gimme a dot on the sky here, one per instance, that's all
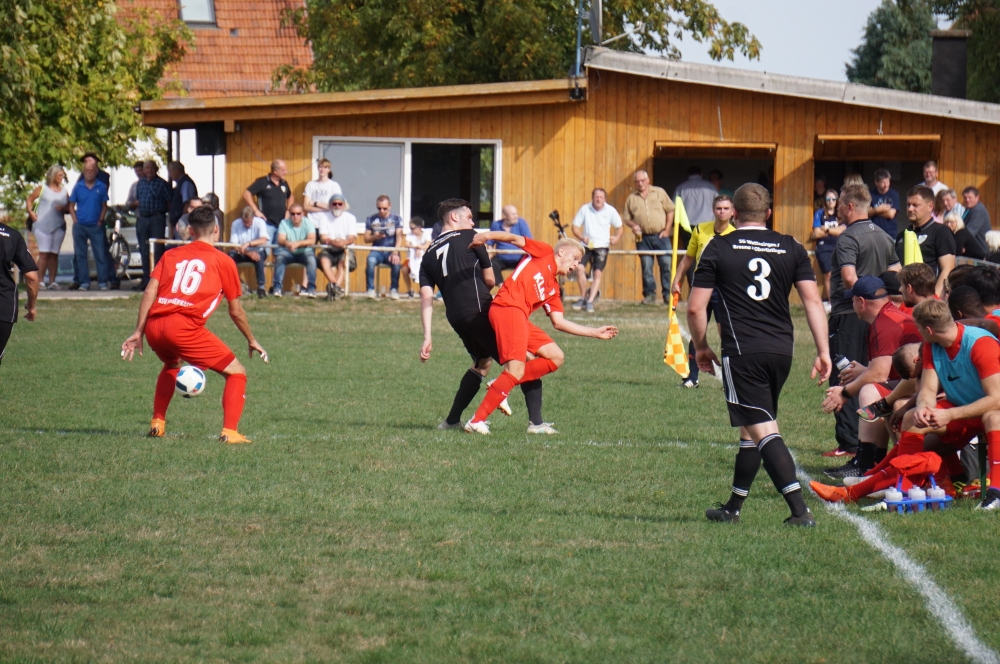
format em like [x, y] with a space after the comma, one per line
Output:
[809, 38]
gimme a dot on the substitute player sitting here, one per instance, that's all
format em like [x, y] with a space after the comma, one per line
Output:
[531, 286]
[965, 363]
[184, 289]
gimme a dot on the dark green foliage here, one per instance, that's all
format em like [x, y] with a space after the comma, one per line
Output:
[370, 44]
[895, 51]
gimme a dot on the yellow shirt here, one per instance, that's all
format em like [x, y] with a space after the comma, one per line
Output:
[649, 213]
[702, 234]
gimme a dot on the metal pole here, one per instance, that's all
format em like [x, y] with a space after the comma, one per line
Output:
[152, 254]
[579, 38]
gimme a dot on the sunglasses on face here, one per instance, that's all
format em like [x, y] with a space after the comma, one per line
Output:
[337, 204]
[831, 200]
[296, 214]
[382, 208]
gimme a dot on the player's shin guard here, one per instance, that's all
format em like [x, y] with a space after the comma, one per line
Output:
[536, 368]
[993, 459]
[233, 398]
[532, 391]
[467, 390]
[497, 392]
[165, 386]
[780, 468]
[747, 465]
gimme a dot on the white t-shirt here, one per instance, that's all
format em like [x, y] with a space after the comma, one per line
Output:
[320, 193]
[240, 234]
[337, 228]
[597, 224]
[937, 188]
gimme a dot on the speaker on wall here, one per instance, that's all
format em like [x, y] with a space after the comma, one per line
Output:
[210, 138]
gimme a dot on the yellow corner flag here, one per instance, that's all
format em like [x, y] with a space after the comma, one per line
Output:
[675, 351]
[911, 249]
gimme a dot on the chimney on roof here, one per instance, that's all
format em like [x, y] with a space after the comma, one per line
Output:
[949, 62]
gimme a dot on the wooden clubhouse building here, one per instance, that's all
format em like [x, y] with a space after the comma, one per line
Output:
[544, 145]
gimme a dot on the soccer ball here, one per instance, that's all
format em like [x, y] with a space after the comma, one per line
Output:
[190, 381]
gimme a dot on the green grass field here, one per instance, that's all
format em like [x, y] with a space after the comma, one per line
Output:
[353, 530]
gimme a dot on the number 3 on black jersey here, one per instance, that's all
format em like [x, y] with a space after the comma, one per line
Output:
[762, 288]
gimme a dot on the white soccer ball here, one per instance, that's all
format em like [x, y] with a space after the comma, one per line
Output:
[190, 381]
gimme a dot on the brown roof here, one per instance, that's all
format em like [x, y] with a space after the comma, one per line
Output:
[238, 55]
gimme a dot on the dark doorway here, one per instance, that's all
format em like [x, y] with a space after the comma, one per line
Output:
[451, 170]
[905, 174]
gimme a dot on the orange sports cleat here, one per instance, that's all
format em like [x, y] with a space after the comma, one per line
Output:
[831, 494]
[157, 428]
[231, 437]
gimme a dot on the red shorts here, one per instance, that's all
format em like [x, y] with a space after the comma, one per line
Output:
[958, 433]
[516, 335]
[886, 388]
[176, 337]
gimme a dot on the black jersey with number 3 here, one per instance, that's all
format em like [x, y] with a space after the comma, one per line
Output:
[753, 270]
[457, 272]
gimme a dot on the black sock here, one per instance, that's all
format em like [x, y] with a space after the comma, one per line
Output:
[962, 477]
[747, 465]
[532, 391]
[866, 456]
[880, 453]
[781, 469]
[467, 390]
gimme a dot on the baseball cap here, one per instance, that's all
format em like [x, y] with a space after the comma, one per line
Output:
[870, 288]
[891, 281]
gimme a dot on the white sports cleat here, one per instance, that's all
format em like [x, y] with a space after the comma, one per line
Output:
[544, 427]
[504, 405]
[478, 427]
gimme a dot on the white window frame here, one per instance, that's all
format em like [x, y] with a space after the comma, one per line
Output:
[211, 8]
[407, 170]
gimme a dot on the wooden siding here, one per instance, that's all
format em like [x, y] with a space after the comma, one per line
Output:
[553, 155]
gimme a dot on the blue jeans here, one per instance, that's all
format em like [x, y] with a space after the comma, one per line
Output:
[655, 243]
[147, 228]
[258, 265]
[98, 243]
[283, 257]
[378, 258]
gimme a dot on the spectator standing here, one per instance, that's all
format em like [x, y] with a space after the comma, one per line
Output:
[296, 235]
[697, 194]
[271, 197]
[89, 158]
[937, 244]
[336, 232]
[132, 197]
[49, 222]
[931, 178]
[966, 244]
[316, 198]
[715, 177]
[863, 250]
[649, 212]
[416, 245]
[592, 226]
[14, 251]
[87, 205]
[826, 229]
[977, 217]
[153, 200]
[383, 229]
[938, 212]
[819, 192]
[212, 200]
[509, 222]
[951, 203]
[184, 190]
[183, 228]
[885, 203]
[250, 233]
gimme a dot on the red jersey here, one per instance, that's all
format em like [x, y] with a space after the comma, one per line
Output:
[533, 283]
[193, 278]
[890, 330]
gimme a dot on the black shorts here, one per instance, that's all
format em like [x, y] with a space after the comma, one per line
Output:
[335, 254]
[5, 330]
[752, 384]
[597, 258]
[477, 336]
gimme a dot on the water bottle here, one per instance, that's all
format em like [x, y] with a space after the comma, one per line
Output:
[893, 495]
[841, 362]
[936, 494]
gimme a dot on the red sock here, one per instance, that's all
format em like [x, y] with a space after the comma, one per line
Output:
[876, 482]
[233, 397]
[537, 368]
[993, 458]
[497, 392]
[909, 443]
[165, 386]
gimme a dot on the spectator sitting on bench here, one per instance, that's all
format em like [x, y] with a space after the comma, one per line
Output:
[250, 232]
[183, 230]
[336, 231]
[295, 235]
[416, 246]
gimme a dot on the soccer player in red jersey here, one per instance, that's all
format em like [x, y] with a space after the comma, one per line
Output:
[531, 286]
[184, 289]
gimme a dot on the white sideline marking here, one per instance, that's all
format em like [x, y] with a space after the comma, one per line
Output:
[938, 603]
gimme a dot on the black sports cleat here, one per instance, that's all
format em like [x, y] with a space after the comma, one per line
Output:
[721, 514]
[805, 521]
[875, 411]
[849, 469]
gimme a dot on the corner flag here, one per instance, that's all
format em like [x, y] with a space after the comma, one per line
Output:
[911, 249]
[675, 351]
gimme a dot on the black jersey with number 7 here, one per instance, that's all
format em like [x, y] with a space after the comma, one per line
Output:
[457, 272]
[753, 270]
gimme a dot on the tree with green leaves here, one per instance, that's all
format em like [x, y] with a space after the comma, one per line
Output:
[982, 17]
[895, 51]
[72, 74]
[370, 44]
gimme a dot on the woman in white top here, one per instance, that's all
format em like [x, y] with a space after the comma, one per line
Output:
[49, 222]
[316, 197]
